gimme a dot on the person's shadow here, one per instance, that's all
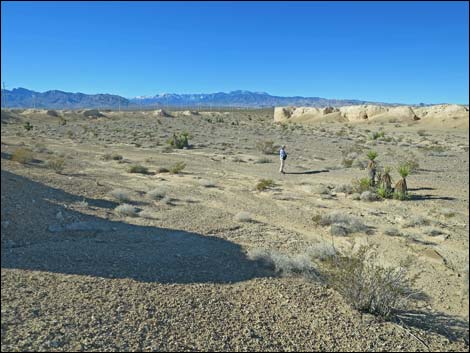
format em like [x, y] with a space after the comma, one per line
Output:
[35, 238]
[309, 172]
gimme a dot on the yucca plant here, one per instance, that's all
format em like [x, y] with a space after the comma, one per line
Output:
[401, 188]
[372, 155]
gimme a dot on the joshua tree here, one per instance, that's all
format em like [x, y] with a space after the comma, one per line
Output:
[386, 179]
[385, 183]
[401, 189]
[372, 166]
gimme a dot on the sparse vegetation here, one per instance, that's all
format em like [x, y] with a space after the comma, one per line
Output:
[370, 287]
[264, 184]
[126, 210]
[179, 141]
[138, 169]
[243, 217]
[56, 164]
[361, 185]
[177, 168]
[284, 265]
[121, 195]
[22, 155]
[27, 126]
[112, 156]
[157, 194]
[343, 223]
[263, 160]
[266, 147]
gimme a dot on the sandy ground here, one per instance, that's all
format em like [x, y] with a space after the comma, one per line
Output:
[177, 276]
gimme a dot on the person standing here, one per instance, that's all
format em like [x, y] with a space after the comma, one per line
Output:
[283, 157]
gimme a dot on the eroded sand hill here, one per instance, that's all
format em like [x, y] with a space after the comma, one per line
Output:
[447, 115]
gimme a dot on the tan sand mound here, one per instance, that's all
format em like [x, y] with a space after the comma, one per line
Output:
[445, 115]
[162, 113]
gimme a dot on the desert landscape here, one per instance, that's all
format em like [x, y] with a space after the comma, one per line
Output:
[173, 230]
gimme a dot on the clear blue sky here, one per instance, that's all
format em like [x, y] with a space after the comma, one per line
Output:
[407, 52]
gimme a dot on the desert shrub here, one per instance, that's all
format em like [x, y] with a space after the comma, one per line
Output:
[416, 221]
[321, 189]
[349, 159]
[167, 149]
[317, 219]
[393, 232]
[179, 141]
[361, 185]
[56, 164]
[421, 132]
[376, 135]
[321, 251]
[264, 184]
[70, 134]
[347, 189]
[93, 113]
[207, 183]
[52, 113]
[177, 167]
[22, 155]
[243, 217]
[263, 160]
[162, 170]
[112, 156]
[63, 122]
[157, 194]
[126, 210]
[411, 163]
[368, 286]
[121, 195]
[27, 126]
[343, 222]
[138, 169]
[284, 265]
[40, 148]
[369, 196]
[433, 232]
[384, 192]
[266, 147]
[447, 212]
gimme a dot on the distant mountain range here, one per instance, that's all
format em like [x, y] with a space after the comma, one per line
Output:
[24, 98]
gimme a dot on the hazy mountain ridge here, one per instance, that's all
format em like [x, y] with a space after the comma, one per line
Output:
[55, 99]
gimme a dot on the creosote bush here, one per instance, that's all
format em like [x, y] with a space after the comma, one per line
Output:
[368, 286]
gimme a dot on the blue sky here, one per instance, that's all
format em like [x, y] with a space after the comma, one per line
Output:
[407, 52]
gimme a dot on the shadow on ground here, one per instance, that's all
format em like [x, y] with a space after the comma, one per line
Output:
[452, 327]
[83, 244]
[309, 172]
[415, 197]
